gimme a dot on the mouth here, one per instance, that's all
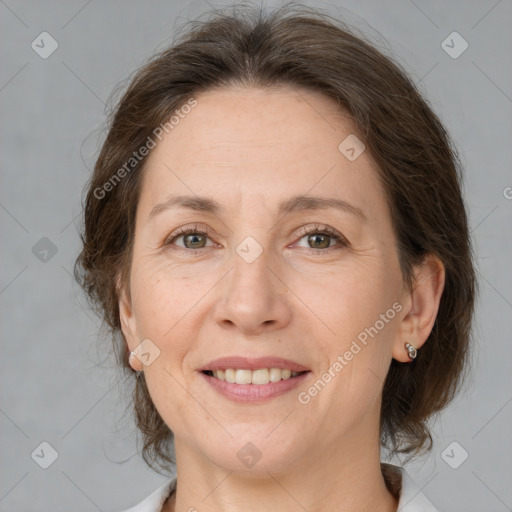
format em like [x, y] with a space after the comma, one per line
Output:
[258, 377]
[253, 386]
[244, 379]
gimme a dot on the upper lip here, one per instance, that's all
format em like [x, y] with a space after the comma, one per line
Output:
[240, 362]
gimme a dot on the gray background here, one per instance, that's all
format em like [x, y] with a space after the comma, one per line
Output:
[57, 383]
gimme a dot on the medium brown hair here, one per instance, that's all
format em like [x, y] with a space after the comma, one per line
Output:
[417, 164]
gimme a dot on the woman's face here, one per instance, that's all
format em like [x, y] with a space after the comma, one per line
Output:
[259, 285]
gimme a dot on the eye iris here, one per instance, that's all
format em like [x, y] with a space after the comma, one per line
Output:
[325, 237]
[195, 236]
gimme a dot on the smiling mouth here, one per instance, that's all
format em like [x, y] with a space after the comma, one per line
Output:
[253, 377]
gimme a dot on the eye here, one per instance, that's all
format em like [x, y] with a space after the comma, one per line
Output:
[324, 235]
[194, 238]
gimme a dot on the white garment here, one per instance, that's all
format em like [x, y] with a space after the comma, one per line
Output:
[411, 498]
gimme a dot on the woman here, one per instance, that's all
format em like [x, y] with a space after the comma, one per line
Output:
[275, 234]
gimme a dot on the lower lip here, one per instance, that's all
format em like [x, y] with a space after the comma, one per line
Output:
[254, 392]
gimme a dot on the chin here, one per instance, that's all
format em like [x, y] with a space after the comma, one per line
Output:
[255, 458]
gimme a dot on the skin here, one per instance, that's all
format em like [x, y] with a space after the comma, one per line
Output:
[250, 149]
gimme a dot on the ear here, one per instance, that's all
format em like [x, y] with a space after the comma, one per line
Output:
[421, 305]
[128, 321]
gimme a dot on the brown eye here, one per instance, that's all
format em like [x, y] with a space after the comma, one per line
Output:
[320, 238]
[196, 240]
[320, 241]
[193, 239]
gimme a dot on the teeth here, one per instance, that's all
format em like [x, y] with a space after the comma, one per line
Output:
[261, 376]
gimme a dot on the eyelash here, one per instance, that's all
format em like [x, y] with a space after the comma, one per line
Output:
[314, 229]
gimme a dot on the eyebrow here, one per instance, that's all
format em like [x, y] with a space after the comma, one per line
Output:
[298, 203]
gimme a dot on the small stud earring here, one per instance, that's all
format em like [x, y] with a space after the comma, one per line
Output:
[137, 372]
[411, 351]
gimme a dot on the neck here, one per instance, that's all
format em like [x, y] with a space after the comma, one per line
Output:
[343, 479]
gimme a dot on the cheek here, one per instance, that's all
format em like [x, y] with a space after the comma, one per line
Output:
[162, 297]
[347, 299]
[356, 350]
[161, 304]
[355, 326]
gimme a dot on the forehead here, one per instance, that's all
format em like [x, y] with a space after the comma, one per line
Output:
[232, 122]
[254, 145]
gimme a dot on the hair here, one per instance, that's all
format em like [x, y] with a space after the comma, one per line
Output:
[417, 165]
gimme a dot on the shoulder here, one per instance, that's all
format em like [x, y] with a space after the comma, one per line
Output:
[411, 499]
[154, 502]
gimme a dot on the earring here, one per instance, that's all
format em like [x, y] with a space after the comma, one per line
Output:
[411, 351]
[132, 354]
[137, 372]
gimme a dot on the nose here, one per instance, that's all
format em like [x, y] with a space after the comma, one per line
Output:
[254, 297]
